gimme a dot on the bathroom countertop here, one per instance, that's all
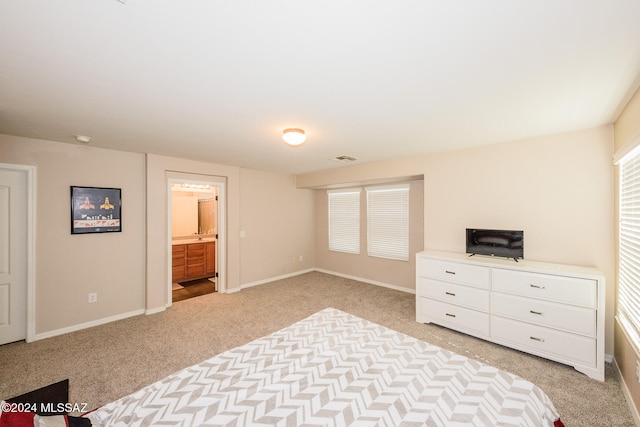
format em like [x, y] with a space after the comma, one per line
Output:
[192, 240]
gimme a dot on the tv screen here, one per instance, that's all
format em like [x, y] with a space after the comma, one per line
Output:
[502, 243]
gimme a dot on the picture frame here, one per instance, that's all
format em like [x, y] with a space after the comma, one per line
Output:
[96, 210]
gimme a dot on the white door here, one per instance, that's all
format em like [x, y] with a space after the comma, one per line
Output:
[13, 255]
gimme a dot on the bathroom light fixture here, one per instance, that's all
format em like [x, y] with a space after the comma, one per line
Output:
[293, 136]
[196, 186]
[82, 138]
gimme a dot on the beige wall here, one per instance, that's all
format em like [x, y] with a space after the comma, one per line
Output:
[159, 170]
[277, 217]
[277, 221]
[394, 170]
[184, 214]
[558, 189]
[68, 267]
[401, 274]
[628, 124]
[626, 128]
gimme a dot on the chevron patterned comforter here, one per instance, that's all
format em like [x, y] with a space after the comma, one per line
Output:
[335, 369]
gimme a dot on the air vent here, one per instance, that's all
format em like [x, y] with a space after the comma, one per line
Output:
[344, 159]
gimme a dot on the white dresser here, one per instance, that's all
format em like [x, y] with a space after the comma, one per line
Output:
[551, 310]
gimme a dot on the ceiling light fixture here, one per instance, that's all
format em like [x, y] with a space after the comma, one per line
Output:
[293, 136]
[82, 138]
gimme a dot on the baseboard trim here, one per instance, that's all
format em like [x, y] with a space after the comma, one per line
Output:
[333, 273]
[86, 325]
[110, 319]
[627, 394]
[156, 310]
[272, 279]
[369, 281]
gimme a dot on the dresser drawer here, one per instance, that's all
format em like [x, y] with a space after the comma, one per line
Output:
[563, 289]
[456, 317]
[569, 318]
[472, 275]
[465, 296]
[545, 341]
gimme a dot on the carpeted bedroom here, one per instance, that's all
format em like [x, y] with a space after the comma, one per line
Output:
[108, 362]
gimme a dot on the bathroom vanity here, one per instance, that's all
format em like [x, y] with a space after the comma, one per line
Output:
[193, 259]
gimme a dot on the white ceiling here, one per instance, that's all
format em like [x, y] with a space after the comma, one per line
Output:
[218, 80]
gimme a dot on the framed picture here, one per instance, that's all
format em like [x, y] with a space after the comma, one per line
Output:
[95, 210]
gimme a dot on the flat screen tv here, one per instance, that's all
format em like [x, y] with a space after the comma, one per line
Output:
[500, 243]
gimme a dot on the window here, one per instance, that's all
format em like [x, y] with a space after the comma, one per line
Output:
[388, 222]
[344, 221]
[628, 314]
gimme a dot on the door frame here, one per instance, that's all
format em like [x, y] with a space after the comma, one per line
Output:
[221, 227]
[31, 244]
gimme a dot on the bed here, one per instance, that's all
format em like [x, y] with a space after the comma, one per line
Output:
[335, 369]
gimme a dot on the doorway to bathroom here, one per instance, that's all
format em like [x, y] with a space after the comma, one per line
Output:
[196, 235]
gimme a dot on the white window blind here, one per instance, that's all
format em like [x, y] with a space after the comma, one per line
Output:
[344, 221]
[629, 248]
[388, 222]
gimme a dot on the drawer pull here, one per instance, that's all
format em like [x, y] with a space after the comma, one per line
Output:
[450, 315]
[537, 339]
[537, 286]
[450, 272]
[450, 293]
[539, 313]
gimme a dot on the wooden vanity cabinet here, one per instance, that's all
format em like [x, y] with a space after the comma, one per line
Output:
[195, 260]
[210, 258]
[192, 261]
[179, 263]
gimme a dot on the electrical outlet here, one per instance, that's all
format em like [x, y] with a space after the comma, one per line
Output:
[301, 258]
[93, 297]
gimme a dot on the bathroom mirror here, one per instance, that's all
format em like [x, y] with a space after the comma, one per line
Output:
[206, 216]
